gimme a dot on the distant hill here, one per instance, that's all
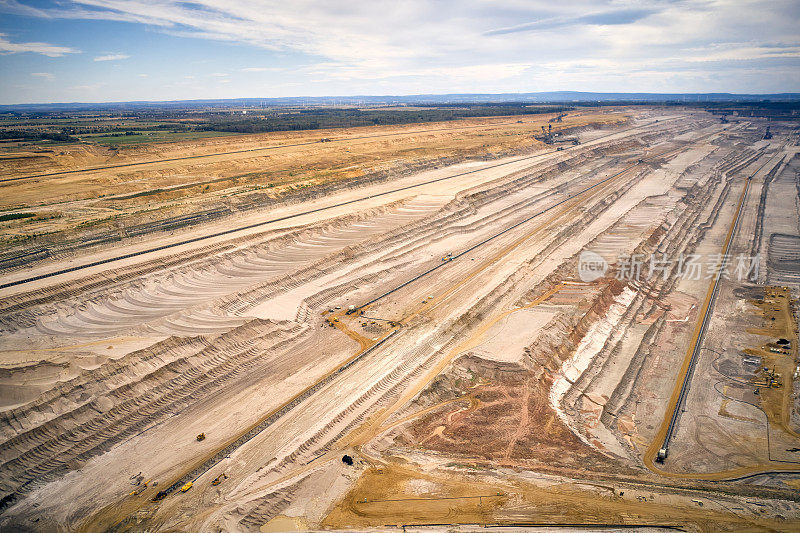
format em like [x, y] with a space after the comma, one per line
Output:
[554, 97]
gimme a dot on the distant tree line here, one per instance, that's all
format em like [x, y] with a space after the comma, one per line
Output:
[313, 119]
[64, 127]
[31, 136]
[83, 130]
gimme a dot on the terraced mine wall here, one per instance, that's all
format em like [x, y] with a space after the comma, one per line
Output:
[62, 248]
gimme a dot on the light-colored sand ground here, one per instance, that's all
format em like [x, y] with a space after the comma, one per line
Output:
[479, 380]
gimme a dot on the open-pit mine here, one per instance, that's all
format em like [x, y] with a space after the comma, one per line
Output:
[582, 319]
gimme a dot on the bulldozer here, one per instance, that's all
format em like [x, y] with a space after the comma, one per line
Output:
[201, 437]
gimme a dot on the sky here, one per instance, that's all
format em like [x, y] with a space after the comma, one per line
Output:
[125, 50]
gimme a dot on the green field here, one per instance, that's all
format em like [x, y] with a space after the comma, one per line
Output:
[120, 139]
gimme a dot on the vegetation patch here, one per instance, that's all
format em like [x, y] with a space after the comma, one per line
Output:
[15, 216]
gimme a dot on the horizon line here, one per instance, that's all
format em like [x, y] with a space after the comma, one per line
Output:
[619, 95]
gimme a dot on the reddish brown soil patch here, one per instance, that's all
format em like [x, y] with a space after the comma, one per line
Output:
[512, 424]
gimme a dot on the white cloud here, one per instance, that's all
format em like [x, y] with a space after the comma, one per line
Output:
[219, 74]
[480, 45]
[111, 57]
[49, 50]
[45, 75]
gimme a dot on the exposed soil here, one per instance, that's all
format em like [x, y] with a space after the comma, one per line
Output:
[477, 379]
